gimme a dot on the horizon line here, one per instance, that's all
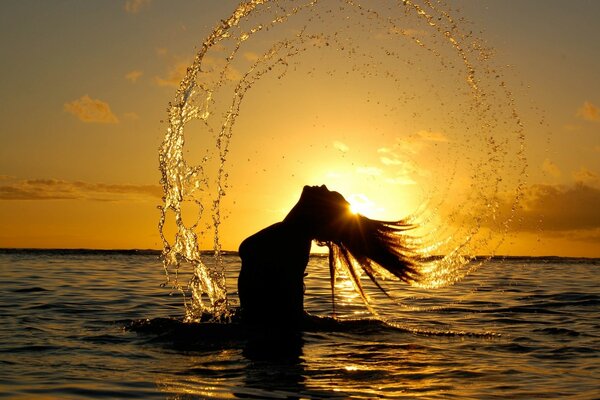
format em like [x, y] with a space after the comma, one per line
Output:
[233, 252]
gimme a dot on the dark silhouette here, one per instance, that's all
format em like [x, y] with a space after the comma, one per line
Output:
[274, 260]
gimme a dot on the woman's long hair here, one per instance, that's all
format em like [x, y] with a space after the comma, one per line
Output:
[382, 249]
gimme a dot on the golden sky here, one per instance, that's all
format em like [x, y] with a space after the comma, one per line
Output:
[86, 85]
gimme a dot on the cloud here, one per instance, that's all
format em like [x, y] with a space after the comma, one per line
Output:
[212, 66]
[174, 76]
[135, 6]
[53, 189]
[210, 73]
[397, 159]
[431, 136]
[361, 204]
[405, 171]
[91, 110]
[586, 177]
[390, 161]
[371, 171]
[134, 75]
[589, 112]
[555, 209]
[562, 208]
[414, 143]
[550, 168]
[400, 180]
[340, 146]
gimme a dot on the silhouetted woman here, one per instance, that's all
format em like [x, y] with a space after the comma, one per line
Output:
[271, 280]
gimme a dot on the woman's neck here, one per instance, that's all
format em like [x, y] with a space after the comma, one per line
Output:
[300, 221]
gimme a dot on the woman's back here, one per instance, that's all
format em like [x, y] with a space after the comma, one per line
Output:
[271, 281]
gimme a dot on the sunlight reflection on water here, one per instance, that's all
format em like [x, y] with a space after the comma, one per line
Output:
[63, 317]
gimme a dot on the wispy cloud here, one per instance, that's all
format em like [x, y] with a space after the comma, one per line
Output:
[135, 6]
[54, 189]
[214, 68]
[589, 112]
[91, 110]
[586, 177]
[404, 170]
[400, 180]
[360, 203]
[398, 159]
[340, 146]
[413, 144]
[551, 169]
[390, 161]
[134, 75]
[174, 75]
[371, 171]
[430, 136]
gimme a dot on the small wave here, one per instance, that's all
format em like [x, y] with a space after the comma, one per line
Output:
[203, 334]
[30, 349]
[443, 332]
[558, 331]
[565, 352]
[519, 348]
[103, 339]
[526, 309]
[376, 325]
[34, 289]
[551, 303]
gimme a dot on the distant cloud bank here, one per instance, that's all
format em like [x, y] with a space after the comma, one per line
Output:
[569, 211]
[54, 189]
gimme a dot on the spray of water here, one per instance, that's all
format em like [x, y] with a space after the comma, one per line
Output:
[433, 62]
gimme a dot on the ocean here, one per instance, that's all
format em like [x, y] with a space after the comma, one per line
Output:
[514, 328]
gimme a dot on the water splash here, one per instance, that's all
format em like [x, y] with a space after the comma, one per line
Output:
[470, 177]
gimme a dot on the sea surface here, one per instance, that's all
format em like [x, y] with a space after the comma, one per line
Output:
[514, 328]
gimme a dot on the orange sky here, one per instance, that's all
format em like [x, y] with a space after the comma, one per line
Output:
[86, 85]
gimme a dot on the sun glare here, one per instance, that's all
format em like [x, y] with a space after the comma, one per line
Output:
[360, 204]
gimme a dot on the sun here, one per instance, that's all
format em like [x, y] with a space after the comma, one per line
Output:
[360, 204]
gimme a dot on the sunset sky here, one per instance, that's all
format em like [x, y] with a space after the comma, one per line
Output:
[86, 84]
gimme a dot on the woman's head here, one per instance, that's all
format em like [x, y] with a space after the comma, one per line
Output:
[321, 212]
[326, 216]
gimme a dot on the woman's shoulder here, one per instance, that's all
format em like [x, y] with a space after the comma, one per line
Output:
[267, 234]
[278, 235]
